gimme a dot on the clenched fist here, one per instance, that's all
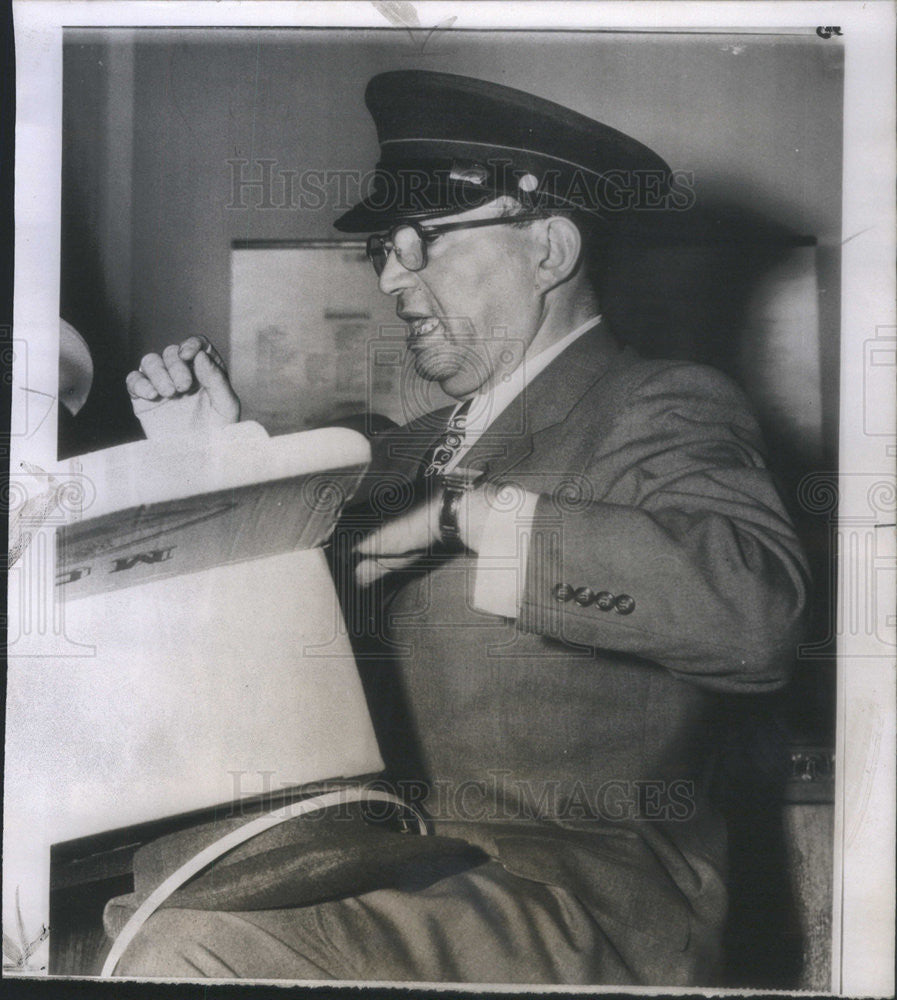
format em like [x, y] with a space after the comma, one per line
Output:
[185, 390]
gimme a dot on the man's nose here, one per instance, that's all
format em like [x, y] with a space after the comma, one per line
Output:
[394, 277]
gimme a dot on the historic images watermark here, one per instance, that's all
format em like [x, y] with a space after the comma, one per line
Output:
[265, 184]
[40, 503]
[497, 797]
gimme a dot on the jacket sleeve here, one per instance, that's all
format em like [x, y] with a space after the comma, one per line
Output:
[682, 552]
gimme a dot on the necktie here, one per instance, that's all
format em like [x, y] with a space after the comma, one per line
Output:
[450, 441]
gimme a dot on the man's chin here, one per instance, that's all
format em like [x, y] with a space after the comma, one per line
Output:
[436, 365]
[456, 375]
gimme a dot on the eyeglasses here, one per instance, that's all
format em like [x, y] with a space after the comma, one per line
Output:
[409, 240]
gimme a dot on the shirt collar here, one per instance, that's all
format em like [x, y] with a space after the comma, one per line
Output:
[486, 406]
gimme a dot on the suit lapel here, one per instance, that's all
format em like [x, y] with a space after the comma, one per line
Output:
[404, 448]
[546, 401]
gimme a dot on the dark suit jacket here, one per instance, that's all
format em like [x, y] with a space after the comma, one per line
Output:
[575, 743]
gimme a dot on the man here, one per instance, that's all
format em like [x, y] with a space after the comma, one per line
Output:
[587, 558]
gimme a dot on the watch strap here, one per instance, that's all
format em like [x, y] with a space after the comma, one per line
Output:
[455, 485]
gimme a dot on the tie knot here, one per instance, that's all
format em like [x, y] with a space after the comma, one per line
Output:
[458, 419]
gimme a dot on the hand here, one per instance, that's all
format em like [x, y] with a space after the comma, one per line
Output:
[399, 543]
[185, 390]
[406, 538]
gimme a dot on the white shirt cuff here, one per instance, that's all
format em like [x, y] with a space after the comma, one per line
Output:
[500, 573]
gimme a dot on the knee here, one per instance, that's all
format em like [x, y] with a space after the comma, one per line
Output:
[174, 943]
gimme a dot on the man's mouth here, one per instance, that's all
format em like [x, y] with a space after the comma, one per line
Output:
[420, 328]
[436, 355]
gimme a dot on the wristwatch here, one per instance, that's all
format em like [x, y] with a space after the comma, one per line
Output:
[454, 486]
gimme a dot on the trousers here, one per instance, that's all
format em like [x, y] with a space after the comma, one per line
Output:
[485, 925]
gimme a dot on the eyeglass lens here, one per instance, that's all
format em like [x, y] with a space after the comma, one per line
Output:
[410, 243]
[408, 247]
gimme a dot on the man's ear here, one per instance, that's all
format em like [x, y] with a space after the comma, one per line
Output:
[561, 247]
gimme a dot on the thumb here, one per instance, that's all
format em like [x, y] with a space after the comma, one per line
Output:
[221, 393]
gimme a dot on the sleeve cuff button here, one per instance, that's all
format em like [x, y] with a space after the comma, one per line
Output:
[624, 604]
